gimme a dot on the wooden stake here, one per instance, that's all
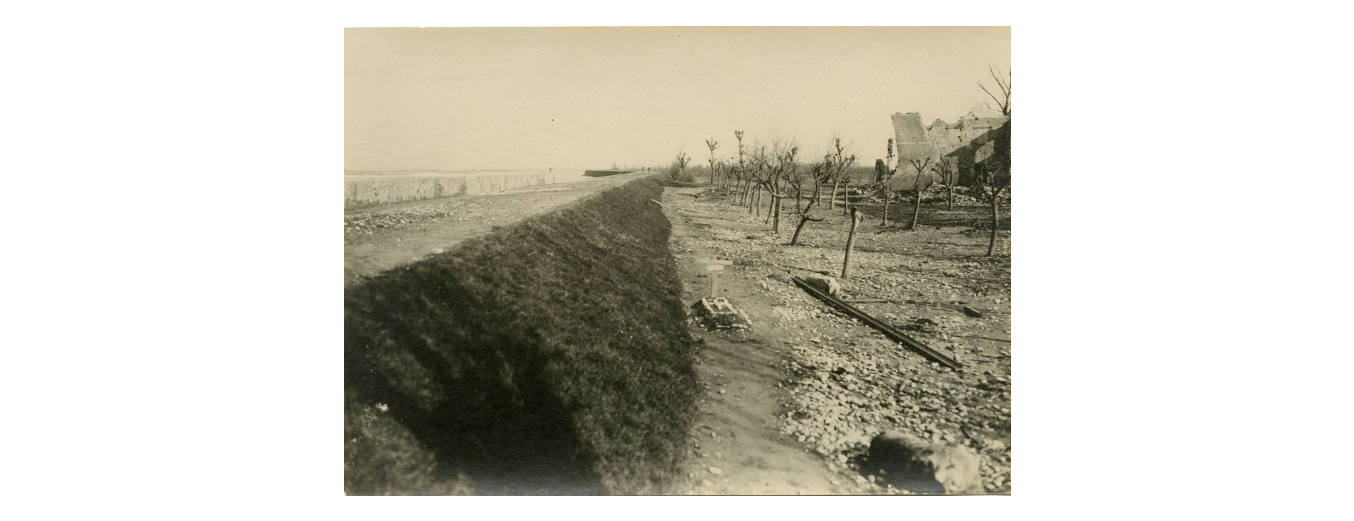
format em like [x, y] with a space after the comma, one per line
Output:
[850, 242]
[713, 267]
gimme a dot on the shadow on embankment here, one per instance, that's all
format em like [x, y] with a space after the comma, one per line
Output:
[551, 357]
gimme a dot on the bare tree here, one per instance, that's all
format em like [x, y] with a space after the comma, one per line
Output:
[784, 169]
[745, 183]
[921, 166]
[1003, 85]
[774, 171]
[946, 166]
[992, 182]
[888, 193]
[817, 175]
[713, 145]
[992, 173]
[757, 170]
[726, 173]
[839, 165]
[742, 170]
[827, 159]
[682, 161]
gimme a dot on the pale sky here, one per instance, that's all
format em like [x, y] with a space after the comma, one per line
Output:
[572, 98]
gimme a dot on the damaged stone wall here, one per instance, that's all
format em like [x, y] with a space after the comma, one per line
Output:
[912, 143]
[970, 139]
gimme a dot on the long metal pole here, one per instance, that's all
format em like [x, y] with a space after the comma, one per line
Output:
[888, 330]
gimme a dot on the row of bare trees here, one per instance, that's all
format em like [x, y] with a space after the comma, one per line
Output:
[765, 175]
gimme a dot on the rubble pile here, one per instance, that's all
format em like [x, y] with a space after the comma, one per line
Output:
[846, 383]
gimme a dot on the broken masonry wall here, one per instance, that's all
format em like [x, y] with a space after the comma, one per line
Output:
[970, 140]
[907, 129]
[911, 143]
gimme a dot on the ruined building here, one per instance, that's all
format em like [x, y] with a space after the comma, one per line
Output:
[912, 144]
[976, 137]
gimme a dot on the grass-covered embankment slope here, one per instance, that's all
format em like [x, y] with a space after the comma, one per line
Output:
[550, 357]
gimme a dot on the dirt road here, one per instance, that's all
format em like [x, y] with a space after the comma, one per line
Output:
[737, 446]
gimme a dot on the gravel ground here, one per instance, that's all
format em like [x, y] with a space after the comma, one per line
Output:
[844, 382]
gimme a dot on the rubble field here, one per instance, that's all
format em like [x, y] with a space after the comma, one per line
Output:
[838, 382]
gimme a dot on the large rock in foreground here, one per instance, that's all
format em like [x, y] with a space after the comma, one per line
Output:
[924, 467]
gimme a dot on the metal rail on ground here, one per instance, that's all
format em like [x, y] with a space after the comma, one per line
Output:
[889, 331]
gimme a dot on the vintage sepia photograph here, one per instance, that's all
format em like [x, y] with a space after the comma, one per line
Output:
[677, 261]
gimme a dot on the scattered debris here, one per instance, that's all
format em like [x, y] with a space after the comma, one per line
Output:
[853, 383]
[719, 313]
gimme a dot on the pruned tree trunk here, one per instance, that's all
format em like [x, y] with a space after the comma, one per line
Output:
[916, 209]
[775, 225]
[992, 242]
[803, 219]
[832, 200]
[846, 194]
[712, 145]
[794, 240]
[850, 243]
[886, 208]
[949, 199]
